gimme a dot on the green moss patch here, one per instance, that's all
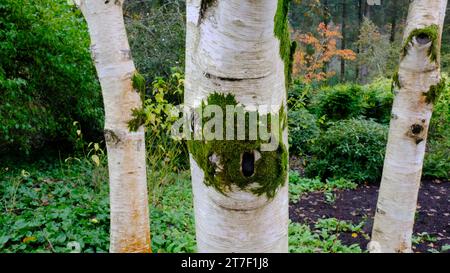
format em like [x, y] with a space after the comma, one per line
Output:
[435, 91]
[281, 30]
[221, 160]
[395, 81]
[432, 32]
[138, 82]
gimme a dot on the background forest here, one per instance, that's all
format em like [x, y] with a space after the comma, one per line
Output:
[53, 166]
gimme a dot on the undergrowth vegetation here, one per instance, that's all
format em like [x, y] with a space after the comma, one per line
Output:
[64, 207]
[47, 79]
[341, 131]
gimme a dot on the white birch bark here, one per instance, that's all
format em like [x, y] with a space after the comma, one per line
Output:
[130, 230]
[234, 39]
[411, 114]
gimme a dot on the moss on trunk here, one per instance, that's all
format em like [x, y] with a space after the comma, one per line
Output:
[429, 32]
[435, 91]
[222, 160]
[281, 30]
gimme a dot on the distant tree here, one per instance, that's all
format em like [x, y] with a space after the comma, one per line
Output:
[316, 52]
[374, 51]
[344, 38]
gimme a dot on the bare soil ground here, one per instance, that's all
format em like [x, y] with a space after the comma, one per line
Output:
[432, 226]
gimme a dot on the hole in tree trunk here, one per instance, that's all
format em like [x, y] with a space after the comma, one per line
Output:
[248, 164]
[416, 129]
[423, 39]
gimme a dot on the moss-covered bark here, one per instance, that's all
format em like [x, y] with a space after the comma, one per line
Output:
[429, 32]
[395, 81]
[281, 30]
[221, 160]
[435, 91]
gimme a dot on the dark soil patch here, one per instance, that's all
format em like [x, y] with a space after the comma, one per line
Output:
[432, 226]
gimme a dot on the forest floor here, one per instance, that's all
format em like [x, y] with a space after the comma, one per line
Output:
[54, 206]
[432, 225]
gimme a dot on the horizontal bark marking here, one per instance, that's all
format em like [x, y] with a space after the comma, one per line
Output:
[229, 79]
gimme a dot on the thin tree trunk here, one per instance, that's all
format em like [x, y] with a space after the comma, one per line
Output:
[419, 81]
[364, 69]
[327, 14]
[393, 25]
[231, 48]
[360, 20]
[130, 230]
[367, 10]
[343, 43]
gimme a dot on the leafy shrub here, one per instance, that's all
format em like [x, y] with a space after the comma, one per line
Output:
[338, 102]
[303, 130]
[437, 158]
[47, 79]
[164, 153]
[377, 100]
[352, 149]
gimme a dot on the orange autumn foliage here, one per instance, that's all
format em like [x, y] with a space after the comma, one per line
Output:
[316, 52]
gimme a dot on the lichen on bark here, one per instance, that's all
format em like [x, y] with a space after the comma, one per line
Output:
[221, 160]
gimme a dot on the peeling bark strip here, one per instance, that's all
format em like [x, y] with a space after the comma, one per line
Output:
[417, 85]
[209, 76]
[234, 51]
[130, 230]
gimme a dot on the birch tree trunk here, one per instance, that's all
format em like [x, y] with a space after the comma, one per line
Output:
[416, 88]
[232, 48]
[130, 230]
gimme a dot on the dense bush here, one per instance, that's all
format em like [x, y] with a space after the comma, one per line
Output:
[370, 102]
[338, 102]
[437, 158]
[377, 100]
[47, 79]
[344, 101]
[351, 149]
[303, 130]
